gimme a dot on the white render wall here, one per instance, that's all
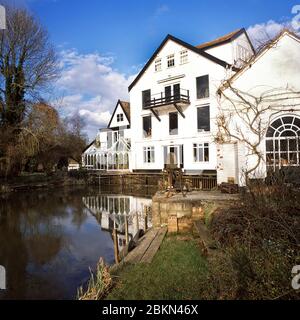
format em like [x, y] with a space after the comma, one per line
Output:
[188, 134]
[229, 51]
[114, 123]
[277, 68]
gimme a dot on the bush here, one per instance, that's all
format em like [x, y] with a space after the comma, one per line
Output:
[260, 241]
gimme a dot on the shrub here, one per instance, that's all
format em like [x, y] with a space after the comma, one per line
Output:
[260, 241]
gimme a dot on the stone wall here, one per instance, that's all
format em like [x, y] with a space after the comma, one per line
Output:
[179, 216]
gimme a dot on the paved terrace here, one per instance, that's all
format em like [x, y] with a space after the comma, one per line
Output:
[195, 196]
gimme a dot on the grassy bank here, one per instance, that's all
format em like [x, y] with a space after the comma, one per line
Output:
[178, 271]
[258, 241]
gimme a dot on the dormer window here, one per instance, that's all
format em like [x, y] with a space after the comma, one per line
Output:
[171, 60]
[158, 65]
[120, 117]
[183, 56]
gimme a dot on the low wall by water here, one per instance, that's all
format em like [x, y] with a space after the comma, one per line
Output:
[179, 213]
[135, 183]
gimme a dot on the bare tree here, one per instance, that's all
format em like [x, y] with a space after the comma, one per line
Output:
[27, 64]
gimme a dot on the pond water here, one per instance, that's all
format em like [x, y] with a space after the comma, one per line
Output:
[50, 239]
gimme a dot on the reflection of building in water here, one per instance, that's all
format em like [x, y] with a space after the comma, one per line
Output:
[111, 211]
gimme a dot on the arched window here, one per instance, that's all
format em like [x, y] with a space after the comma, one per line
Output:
[283, 142]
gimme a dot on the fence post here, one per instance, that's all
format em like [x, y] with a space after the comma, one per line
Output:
[126, 230]
[137, 221]
[116, 247]
[145, 219]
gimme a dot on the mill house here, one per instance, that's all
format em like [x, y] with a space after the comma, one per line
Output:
[177, 97]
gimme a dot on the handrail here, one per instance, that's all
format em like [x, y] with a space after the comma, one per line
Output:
[159, 99]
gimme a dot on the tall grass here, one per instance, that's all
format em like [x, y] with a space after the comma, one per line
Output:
[99, 283]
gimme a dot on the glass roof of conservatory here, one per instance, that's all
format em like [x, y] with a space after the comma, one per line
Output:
[120, 146]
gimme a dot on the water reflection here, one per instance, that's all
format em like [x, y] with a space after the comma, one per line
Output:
[117, 212]
[49, 239]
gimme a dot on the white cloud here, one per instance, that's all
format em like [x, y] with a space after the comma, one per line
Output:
[90, 87]
[261, 32]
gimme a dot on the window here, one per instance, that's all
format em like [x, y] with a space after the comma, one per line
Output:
[109, 139]
[203, 118]
[202, 84]
[173, 123]
[146, 97]
[147, 127]
[148, 154]
[283, 143]
[171, 60]
[120, 117]
[158, 65]
[183, 56]
[201, 152]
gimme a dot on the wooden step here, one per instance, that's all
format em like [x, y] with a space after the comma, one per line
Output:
[136, 254]
[154, 246]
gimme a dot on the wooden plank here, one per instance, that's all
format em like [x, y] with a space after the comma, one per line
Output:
[154, 246]
[136, 254]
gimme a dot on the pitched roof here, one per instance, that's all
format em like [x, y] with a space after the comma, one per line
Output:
[90, 144]
[221, 40]
[259, 54]
[126, 108]
[186, 45]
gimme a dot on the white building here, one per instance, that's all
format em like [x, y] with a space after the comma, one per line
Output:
[266, 94]
[177, 99]
[110, 151]
[174, 102]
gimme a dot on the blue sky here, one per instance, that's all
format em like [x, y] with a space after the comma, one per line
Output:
[103, 44]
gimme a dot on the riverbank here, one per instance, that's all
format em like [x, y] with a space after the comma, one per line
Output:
[243, 250]
[178, 271]
[40, 181]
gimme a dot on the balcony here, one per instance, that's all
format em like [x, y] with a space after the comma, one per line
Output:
[178, 99]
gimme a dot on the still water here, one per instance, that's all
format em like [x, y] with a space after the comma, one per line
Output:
[50, 239]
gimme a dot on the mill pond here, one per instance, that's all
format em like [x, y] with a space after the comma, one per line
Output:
[49, 239]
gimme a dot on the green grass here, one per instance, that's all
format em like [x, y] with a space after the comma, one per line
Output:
[176, 272]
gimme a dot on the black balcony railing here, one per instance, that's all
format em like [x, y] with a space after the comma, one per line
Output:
[161, 99]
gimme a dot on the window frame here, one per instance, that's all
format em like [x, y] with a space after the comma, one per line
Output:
[198, 109]
[171, 57]
[157, 65]
[120, 117]
[184, 55]
[149, 154]
[147, 135]
[170, 130]
[207, 95]
[199, 151]
[144, 92]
